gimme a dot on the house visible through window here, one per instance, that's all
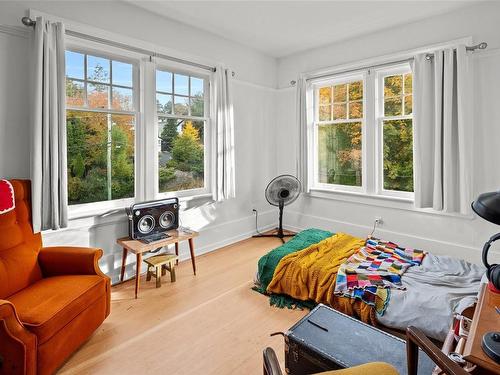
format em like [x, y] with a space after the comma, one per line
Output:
[182, 117]
[101, 117]
[367, 115]
[106, 111]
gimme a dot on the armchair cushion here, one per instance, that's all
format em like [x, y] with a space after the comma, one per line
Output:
[69, 260]
[48, 305]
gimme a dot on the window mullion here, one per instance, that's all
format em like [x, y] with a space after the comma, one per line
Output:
[150, 133]
[370, 134]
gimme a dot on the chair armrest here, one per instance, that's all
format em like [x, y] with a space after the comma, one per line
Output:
[271, 364]
[66, 260]
[17, 345]
[417, 339]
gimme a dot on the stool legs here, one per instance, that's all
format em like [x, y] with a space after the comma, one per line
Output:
[172, 272]
[158, 276]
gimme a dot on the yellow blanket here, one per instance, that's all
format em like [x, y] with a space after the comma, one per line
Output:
[310, 274]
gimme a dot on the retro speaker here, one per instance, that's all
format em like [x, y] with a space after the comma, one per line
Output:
[149, 221]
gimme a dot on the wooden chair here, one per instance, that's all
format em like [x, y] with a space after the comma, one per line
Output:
[415, 339]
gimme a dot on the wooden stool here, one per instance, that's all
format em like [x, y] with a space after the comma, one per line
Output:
[158, 266]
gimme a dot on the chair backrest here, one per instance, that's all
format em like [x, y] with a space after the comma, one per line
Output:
[19, 246]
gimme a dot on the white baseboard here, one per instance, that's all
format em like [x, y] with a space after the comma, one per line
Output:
[434, 246]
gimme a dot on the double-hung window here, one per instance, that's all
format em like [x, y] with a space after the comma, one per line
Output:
[101, 102]
[361, 132]
[338, 128]
[183, 113]
[395, 126]
[134, 132]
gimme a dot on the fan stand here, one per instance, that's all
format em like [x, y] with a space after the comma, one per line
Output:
[279, 234]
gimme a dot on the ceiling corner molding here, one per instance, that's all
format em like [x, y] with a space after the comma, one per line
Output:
[21, 31]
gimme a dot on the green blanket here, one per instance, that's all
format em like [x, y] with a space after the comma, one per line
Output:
[268, 263]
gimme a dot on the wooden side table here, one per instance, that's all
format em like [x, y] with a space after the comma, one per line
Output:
[138, 248]
[485, 319]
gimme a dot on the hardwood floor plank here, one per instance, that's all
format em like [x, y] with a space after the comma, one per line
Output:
[210, 323]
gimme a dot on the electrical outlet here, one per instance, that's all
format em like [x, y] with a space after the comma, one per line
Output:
[379, 220]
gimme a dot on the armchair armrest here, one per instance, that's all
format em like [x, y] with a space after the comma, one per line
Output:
[417, 339]
[17, 344]
[66, 260]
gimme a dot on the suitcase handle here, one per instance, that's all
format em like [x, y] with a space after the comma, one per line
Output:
[277, 333]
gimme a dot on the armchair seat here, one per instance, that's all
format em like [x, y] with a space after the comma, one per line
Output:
[48, 305]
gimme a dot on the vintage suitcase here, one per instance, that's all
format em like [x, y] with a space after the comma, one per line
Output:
[326, 339]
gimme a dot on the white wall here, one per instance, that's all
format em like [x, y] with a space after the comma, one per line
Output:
[461, 237]
[220, 223]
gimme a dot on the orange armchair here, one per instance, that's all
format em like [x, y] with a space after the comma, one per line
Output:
[51, 299]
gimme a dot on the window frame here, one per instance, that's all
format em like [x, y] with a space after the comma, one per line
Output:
[74, 45]
[380, 74]
[146, 127]
[314, 124]
[174, 68]
[372, 132]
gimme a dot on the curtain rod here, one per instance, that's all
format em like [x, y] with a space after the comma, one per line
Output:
[429, 56]
[30, 23]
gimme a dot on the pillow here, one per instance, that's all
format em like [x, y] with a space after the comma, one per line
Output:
[7, 201]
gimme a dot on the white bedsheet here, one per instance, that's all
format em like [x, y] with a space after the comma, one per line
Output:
[435, 291]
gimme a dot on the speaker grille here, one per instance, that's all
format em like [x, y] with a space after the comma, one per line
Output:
[146, 224]
[167, 219]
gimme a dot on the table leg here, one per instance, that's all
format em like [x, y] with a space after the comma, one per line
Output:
[177, 252]
[138, 273]
[124, 262]
[191, 250]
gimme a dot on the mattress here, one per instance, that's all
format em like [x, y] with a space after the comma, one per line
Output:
[441, 287]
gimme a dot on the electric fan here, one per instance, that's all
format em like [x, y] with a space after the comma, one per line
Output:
[280, 192]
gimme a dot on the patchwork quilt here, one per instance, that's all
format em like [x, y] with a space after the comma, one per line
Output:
[376, 267]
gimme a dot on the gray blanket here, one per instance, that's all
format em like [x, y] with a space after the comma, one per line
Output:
[435, 291]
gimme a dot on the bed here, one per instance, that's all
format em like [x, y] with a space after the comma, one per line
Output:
[431, 293]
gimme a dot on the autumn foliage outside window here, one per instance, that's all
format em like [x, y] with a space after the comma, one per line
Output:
[373, 106]
[340, 120]
[398, 132]
[100, 124]
[181, 110]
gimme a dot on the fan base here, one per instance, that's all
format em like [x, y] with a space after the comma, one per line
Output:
[276, 234]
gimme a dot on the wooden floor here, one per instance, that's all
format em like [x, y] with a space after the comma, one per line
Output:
[212, 323]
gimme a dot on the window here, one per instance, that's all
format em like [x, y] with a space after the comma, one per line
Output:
[101, 116]
[109, 94]
[182, 110]
[396, 123]
[338, 127]
[361, 132]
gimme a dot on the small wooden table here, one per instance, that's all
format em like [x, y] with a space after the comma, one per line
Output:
[138, 248]
[485, 319]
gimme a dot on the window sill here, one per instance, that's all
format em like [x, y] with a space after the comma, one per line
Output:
[386, 201]
[118, 208]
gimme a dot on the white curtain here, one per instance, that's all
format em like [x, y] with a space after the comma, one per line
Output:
[302, 168]
[443, 130]
[224, 184]
[48, 128]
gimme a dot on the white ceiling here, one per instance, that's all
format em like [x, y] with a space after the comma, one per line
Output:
[281, 28]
